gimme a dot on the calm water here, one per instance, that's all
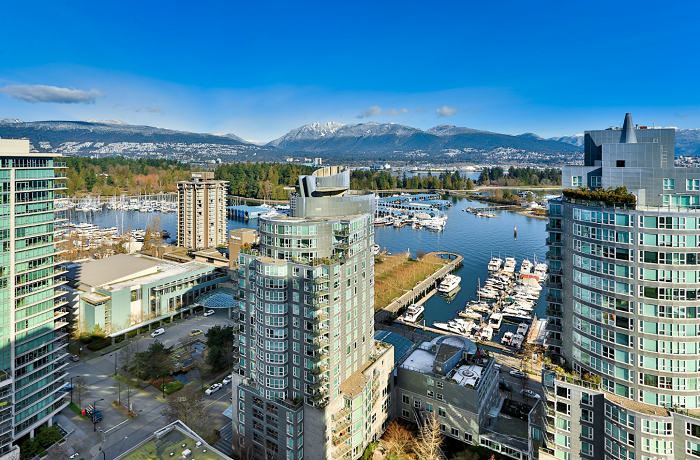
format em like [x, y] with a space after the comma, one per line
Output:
[476, 238]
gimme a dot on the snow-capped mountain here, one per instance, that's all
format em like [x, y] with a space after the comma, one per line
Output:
[107, 122]
[576, 139]
[9, 120]
[392, 140]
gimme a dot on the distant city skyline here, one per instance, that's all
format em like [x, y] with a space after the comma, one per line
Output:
[261, 70]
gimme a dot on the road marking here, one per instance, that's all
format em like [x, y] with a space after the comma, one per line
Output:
[216, 400]
[115, 426]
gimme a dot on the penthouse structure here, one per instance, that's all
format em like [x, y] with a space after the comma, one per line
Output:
[201, 212]
[32, 303]
[624, 286]
[317, 384]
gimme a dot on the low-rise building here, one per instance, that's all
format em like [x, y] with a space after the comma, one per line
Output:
[449, 378]
[124, 291]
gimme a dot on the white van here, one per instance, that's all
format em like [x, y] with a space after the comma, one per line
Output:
[158, 332]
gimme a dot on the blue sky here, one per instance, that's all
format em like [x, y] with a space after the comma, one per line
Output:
[260, 69]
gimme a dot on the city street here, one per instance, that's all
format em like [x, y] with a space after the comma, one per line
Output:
[122, 433]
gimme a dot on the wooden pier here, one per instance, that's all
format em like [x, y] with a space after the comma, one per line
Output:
[423, 289]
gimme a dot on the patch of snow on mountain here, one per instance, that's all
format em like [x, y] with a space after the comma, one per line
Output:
[10, 121]
[107, 122]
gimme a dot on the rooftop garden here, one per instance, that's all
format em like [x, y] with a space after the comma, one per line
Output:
[609, 195]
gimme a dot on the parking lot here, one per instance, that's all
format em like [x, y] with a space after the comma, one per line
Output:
[121, 433]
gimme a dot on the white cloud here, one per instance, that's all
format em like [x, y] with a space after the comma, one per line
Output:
[446, 111]
[371, 111]
[420, 110]
[392, 113]
[42, 93]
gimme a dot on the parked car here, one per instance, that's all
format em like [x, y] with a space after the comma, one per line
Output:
[213, 389]
[209, 312]
[505, 386]
[520, 374]
[157, 332]
[498, 367]
[68, 387]
[227, 380]
[195, 332]
[529, 393]
[74, 358]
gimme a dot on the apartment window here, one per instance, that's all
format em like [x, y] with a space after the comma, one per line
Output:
[443, 427]
[669, 184]
[586, 448]
[467, 437]
[577, 181]
[563, 408]
[587, 415]
[620, 163]
[455, 432]
[428, 407]
[430, 393]
[405, 399]
[586, 399]
[692, 184]
[439, 397]
[438, 384]
[404, 413]
[596, 181]
[586, 431]
[416, 403]
[441, 412]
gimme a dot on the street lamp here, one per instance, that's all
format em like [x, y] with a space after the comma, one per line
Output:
[94, 409]
[71, 388]
[102, 447]
[115, 365]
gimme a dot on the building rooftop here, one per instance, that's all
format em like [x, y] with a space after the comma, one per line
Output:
[112, 269]
[125, 270]
[169, 443]
[401, 344]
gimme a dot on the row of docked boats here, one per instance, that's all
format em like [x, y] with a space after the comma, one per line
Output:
[507, 296]
[414, 313]
[416, 221]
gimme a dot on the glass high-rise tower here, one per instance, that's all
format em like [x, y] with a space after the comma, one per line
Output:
[316, 383]
[33, 320]
[624, 303]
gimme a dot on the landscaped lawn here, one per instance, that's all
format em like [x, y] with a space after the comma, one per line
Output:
[397, 274]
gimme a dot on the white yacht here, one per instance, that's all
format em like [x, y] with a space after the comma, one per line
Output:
[526, 267]
[375, 249]
[449, 283]
[496, 320]
[509, 266]
[413, 313]
[495, 264]
[507, 337]
[469, 313]
[523, 328]
[486, 333]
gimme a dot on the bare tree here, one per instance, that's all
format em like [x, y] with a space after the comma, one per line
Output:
[244, 448]
[397, 439]
[118, 389]
[128, 392]
[430, 439]
[189, 406]
[205, 370]
[81, 389]
[127, 354]
[57, 452]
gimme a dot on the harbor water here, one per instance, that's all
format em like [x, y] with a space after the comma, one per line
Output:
[476, 238]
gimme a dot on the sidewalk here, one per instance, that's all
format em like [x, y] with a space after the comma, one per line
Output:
[83, 439]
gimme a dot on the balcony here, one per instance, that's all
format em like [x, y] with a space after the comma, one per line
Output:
[317, 344]
[555, 271]
[554, 342]
[59, 164]
[344, 435]
[318, 357]
[318, 331]
[320, 292]
[554, 284]
[319, 383]
[342, 424]
[344, 232]
[551, 242]
[554, 327]
[550, 228]
[321, 279]
[319, 370]
[551, 256]
[553, 299]
[341, 413]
